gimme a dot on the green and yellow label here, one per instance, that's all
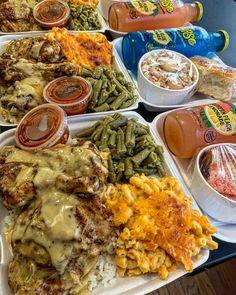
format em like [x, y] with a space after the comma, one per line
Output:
[167, 5]
[161, 37]
[189, 36]
[144, 7]
[220, 116]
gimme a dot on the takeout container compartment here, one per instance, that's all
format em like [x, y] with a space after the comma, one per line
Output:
[137, 285]
[28, 33]
[163, 96]
[212, 202]
[151, 107]
[116, 64]
[226, 232]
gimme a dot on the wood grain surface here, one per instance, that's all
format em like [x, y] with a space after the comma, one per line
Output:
[218, 280]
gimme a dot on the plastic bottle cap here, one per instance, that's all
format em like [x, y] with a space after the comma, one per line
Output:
[226, 35]
[200, 9]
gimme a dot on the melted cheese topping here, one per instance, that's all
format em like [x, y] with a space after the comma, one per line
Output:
[51, 220]
[52, 227]
[77, 161]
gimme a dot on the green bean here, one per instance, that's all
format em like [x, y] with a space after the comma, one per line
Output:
[115, 92]
[130, 151]
[86, 73]
[161, 171]
[129, 134]
[128, 103]
[129, 171]
[96, 92]
[96, 135]
[112, 140]
[120, 167]
[143, 126]
[92, 81]
[116, 116]
[103, 97]
[87, 132]
[98, 72]
[111, 88]
[119, 87]
[141, 156]
[112, 174]
[104, 138]
[104, 83]
[140, 131]
[111, 99]
[152, 159]
[108, 120]
[119, 100]
[119, 122]
[102, 108]
[121, 148]
[159, 150]
[119, 176]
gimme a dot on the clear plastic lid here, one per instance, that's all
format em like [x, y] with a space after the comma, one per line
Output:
[218, 166]
[42, 127]
[52, 13]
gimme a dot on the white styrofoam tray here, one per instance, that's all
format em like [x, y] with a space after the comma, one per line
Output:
[225, 231]
[195, 99]
[122, 286]
[116, 64]
[101, 19]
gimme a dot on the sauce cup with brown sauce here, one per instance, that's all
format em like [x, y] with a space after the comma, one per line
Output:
[72, 94]
[52, 13]
[43, 127]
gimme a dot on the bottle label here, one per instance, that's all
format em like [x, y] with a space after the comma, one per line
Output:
[221, 117]
[167, 5]
[170, 39]
[161, 37]
[188, 35]
[149, 7]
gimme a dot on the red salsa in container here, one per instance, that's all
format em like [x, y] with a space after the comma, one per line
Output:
[52, 13]
[70, 93]
[42, 127]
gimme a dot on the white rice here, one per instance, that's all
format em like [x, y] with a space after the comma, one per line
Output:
[104, 272]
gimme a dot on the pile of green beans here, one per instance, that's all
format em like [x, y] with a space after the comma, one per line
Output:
[131, 147]
[83, 18]
[111, 91]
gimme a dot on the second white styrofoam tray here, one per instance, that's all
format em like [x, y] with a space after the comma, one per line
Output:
[137, 285]
[101, 20]
[195, 99]
[225, 231]
[116, 64]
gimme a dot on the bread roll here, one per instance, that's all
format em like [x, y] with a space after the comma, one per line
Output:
[215, 80]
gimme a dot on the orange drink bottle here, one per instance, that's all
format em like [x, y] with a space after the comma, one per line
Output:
[143, 15]
[187, 131]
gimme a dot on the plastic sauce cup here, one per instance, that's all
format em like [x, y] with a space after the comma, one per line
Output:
[52, 13]
[43, 127]
[72, 94]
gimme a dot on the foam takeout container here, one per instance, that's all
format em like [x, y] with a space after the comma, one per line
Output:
[225, 231]
[137, 285]
[194, 100]
[116, 64]
[27, 33]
